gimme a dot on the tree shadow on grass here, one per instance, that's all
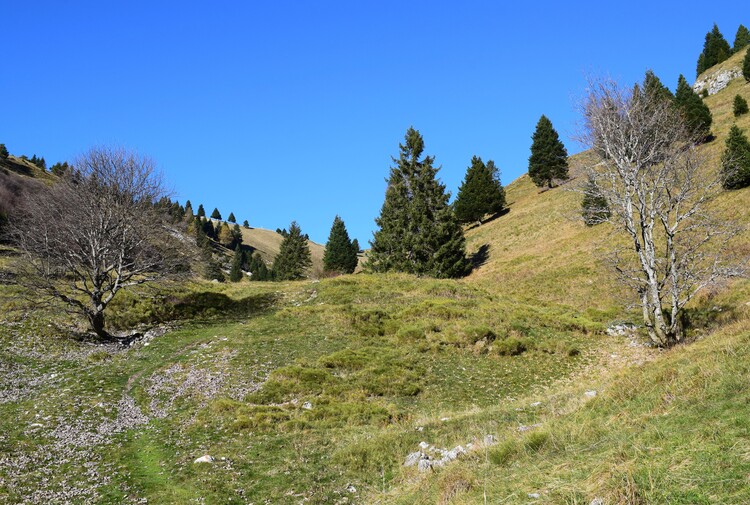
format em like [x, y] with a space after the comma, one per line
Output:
[210, 305]
[503, 212]
[480, 257]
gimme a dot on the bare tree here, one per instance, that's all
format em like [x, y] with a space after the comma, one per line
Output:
[94, 233]
[657, 183]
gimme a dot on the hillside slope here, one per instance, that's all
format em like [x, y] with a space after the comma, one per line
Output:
[539, 250]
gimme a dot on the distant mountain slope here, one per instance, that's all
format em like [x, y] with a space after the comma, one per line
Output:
[267, 243]
[540, 251]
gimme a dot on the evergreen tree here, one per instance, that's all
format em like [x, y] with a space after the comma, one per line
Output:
[549, 158]
[418, 232]
[216, 214]
[355, 246]
[715, 50]
[735, 162]
[340, 256]
[653, 86]
[188, 211]
[258, 269]
[746, 66]
[741, 39]
[740, 106]
[594, 207]
[201, 211]
[235, 274]
[4, 152]
[224, 234]
[245, 224]
[60, 169]
[293, 258]
[236, 235]
[231, 218]
[480, 193]
[694, 110]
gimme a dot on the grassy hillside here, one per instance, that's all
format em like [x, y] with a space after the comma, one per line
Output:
[318, 391]
[267, 243]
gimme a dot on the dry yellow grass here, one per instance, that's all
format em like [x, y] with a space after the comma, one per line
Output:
[267, 243]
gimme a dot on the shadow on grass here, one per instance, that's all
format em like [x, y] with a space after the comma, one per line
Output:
[480, 257]
[210, 305]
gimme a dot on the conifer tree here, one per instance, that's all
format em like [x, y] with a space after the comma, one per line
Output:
[4, 152]
[216, 214]
[594, 206]
[235, 274]
[653, 86]
[715, 50]
[746, 66]
[735, 162]
[340, 256]
[740, 106]
[480, 193]
[245, 224]
[355, 246]
[418, 232]
[201, 211]
[208, 228]
[741, 39]
[231, 218]
[696, 113]
[293, 258]
[188, 211]
[224, 234]
[258, 269]
[549, 158]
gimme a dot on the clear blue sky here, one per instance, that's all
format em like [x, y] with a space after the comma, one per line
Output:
[291, 110]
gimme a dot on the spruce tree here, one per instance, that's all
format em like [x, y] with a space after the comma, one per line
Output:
[258, 269]
[201, 211]
[715, 50]
[235, 274]
[418, 232]
[245, 224]
[216, 214]
[188, 211]
[340, 255]
[231, 218]
[594, 207]
[293, 258]
[236, 235]
[355, 246]
[746, 66]
[693, 109]
[740, 106]
[741, 39]
[735, 162]
[549, 158]
[4, 152]
[480, 193]
[653, 87]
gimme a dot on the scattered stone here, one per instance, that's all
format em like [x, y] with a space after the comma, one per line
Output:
[534, 495]
[489, 440]
[524, 428]
[307, 406]
[621, 330]
[536, 404]
[424, 465]
[351, 488]
[597, 501]
[420, 428]
[424, 445]
[717, 81]
[444, 419]
[591, 393]
[414, 457]
[204, 459]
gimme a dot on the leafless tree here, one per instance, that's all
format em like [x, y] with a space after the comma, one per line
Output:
[94, 233]
[658, 185]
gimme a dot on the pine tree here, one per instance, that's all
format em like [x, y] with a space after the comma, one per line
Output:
[60, 169]
[245, 224]
[231, 218]
[258, 269]
[201, 211]
[694, 110]
[355, 246]
[4, 152]
[208, 228]
[418, 232]
[746, 66]
[735, 162]
[653, 86]
[235, 274]
[549, 158]
[293, 258]
[741, 39]
[480, 193]
[715, 50]
[740, 106]
[340, 256]
[216, 214]
[594, 207]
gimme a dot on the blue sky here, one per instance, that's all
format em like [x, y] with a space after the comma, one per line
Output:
[282, 111]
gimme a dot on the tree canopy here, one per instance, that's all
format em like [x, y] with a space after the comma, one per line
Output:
[741, 39]
[293, 258]
[696, 113]
[715, 50]
[418, 231]
[549, 158]
[216, 214]
[340, 255]
[480, 193]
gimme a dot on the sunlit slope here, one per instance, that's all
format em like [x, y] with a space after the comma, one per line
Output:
[539, 250]
[267, 243]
